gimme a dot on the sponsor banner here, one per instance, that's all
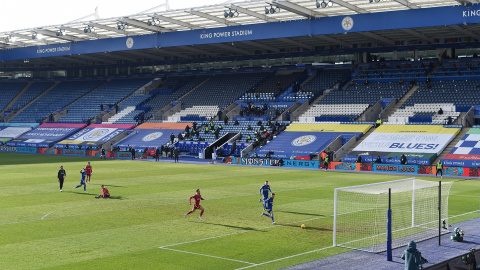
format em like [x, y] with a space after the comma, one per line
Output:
[27, 150]
[46, 151]
[124, 155]
[74, 152]
[13, 132]
[344, 166]
[43, 136]
[409, 169]
[405, 142]
[93, 135]
[329, 128]
[461, 163]
[462, 157]
[273, 162]
[123, 126]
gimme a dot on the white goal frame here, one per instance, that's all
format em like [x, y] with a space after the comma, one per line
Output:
[360, 219]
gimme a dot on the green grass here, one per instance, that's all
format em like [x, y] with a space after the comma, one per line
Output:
[42, 228]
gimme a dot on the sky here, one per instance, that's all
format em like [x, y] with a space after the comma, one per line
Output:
[25, 14]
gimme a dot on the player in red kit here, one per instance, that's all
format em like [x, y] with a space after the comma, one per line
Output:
[196, 205]
[105, 193]
[88, 170]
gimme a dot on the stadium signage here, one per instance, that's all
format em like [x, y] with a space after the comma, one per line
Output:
[471, 13]
[300, 163]
[410, 142]
[73, 152]
[225, 34]
[396, 168]
[54, 50]
[27, 149]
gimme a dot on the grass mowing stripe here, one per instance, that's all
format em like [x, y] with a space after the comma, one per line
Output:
[206, 255]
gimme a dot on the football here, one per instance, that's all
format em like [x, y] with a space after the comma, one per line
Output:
[303, 226]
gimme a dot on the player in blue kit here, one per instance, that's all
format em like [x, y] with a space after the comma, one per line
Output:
[269, 203]
[82, 182]
[264, 191]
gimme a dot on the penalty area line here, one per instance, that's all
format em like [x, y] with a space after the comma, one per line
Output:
[206, 255]
[284, 258]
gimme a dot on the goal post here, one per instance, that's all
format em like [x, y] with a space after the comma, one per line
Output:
[361, 219]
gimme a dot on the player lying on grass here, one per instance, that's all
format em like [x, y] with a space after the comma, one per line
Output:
[196, 205]
[105, 193]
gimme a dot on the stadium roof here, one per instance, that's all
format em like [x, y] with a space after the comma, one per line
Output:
[244, 13]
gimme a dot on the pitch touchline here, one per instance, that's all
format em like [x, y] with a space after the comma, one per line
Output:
[206, 255]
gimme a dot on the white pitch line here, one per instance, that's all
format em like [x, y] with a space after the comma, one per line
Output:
[284, 258]
[206, 255]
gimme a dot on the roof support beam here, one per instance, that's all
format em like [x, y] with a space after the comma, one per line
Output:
[378, 38]
[54, 34]
[296, 43]
[252, 13]
[168, 53]
[177, 22]
[418, 35]
[407, 4]
[210, 17]
[261, 46]
[108, 28]
[349, 6]
[230, 48]
[294, 8]
[144, 26]
[465, 31]
[334, 40]
[195, 50]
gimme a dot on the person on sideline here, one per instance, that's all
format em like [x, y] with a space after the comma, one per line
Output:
[61, 177]
[439, 169]
[413, 258]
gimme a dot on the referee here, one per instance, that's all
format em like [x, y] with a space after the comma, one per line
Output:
[61, 177]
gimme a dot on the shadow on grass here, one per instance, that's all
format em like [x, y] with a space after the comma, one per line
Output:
[308, 227]
[230, 226]
[10, 158]
[299, 213]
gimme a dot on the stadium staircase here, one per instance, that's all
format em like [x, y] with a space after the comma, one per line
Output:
[451, 145]
[10, 116]
[370, 131]
[17, 97]
[400, 102]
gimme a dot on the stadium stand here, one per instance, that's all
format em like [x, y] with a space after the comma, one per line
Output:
[9, 90]
[56, 99]
[32, 92]
[85, 108]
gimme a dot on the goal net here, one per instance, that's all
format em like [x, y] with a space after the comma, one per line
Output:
[360, 213]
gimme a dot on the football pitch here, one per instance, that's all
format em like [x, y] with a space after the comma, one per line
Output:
[142, 226]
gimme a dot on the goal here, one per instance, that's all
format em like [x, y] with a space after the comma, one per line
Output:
[360, 213]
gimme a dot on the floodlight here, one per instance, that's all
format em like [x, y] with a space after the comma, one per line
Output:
[225, 14]
[34, 35]
[317, 4]
[330, 3]
[324, 4]
[267, 10]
